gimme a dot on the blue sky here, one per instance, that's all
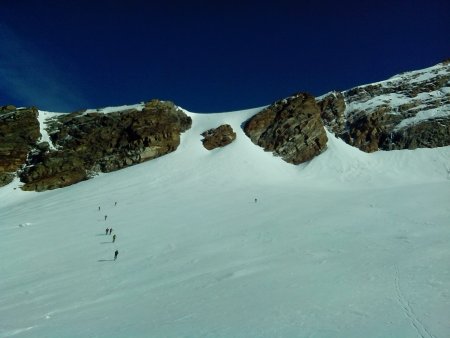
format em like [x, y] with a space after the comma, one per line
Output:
[208, 56]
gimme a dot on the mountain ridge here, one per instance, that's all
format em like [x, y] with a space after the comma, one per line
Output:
[233, 242]
[407, 111]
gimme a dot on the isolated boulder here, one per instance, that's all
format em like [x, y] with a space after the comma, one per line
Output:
[290, 128]
[218, 137]
[19, 133]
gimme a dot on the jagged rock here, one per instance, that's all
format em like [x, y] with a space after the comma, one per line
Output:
[332, 109]
[290, 128]
[93, 142]
[8, 108]
[407, 111]
[218, 137]
[54, 170]
[19, 132]
[43, 146]
[6, 178]
[427, 134]
[367, 132]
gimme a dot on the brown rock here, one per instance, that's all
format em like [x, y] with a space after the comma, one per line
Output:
[219, 137]
[19, 132]
[426, 134]
[88, 143]
[374, 113]
[290, 128]
[6, 178]
[332, 109]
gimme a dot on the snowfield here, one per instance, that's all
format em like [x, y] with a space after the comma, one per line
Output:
[348, 245]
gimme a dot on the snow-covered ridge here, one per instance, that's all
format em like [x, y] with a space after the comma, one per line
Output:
[422, 74]
[107, 110]
[417, 95]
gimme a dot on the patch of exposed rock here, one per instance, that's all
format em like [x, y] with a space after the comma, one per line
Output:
[407, 111]
[19, 133]
[332, 108]
[430, 133]
[218, 137]
[290, 128]
[91, 142]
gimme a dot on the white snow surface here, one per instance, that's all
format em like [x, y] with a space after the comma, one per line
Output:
[107, 110]
[43, 116]
[348, 245]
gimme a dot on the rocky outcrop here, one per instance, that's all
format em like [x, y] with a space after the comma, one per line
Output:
[332, 108]
[430, 133]
[290, 128]
[408, 111]
[218, 137]
[19, 133]
[91, 142]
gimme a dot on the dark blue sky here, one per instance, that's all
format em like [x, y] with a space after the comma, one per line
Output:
[208, 56]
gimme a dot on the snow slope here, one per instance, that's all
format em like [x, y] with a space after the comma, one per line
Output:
[348, 245]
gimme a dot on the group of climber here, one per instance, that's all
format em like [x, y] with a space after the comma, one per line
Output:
[109, 231]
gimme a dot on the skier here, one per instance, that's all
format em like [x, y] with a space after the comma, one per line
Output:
[106, 216]
[107, 230]
[114, 238]
[110, 231]
[256, 200]
[115, 254]
[115, 203]
[98, 208]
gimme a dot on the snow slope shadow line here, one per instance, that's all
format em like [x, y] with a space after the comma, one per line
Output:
[407, 309]
[105, 260]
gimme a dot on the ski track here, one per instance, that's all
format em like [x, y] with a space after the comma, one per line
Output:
[408, 311]
[16, 331]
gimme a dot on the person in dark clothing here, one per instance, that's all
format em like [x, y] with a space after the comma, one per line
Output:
[116, 253]
[114, 238]
[107, 231]
[106, 216]
[98, 208]
[115, 203]
[110, 231]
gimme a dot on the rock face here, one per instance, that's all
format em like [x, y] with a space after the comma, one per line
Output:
[290, 128]
[218, 137]
[84, 143]
[19, 133]
[91, 142]
[332, 108]
[407, 111]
